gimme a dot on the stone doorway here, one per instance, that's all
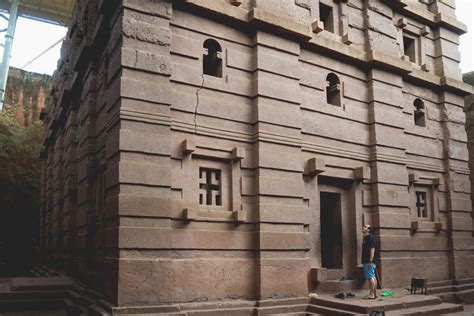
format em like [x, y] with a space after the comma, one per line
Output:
[334, 254]
[331, 230]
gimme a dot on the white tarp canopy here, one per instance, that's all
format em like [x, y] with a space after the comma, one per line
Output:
[52, 11]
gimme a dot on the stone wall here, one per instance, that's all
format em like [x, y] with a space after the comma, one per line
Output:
[469, 109]
[196, 150]
[26, 94]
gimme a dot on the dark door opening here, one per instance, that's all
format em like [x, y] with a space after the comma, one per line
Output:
[331, 230]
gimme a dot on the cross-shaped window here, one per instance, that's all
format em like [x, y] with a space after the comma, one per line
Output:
[210, 187]
[421, 204]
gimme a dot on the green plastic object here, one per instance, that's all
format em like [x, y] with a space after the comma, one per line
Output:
[387, 293]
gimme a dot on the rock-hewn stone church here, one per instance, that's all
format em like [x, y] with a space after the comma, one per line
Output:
[230, 150]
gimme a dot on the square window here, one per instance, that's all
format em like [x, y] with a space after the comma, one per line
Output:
[409, 48]
[421, 205]
[210, 187]
[326, 16]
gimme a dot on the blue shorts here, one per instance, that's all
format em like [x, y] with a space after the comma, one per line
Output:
[369, 271]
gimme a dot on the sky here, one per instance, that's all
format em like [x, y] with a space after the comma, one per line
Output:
[465, 13]
[33, 37]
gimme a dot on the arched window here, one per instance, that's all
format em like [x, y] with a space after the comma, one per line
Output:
[212, 58]
[333, 90]
[419, 112]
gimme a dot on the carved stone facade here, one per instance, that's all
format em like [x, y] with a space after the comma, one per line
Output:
[231, 150]
[26, 95]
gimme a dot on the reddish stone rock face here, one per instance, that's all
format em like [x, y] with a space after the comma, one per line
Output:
[231, 151]
[26, 94]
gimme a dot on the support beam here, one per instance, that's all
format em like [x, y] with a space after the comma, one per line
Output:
[8, 49]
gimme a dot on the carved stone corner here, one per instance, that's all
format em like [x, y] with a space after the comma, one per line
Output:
[346, 39]
[238, 153]
[413, 177]
[239, 216]
[316, 166]
[401, 22]
[425, 30]
[362, 173]
[188, 146]
[190, 214]
[317, 26]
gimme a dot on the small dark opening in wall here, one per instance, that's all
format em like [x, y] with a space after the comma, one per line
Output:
[409, 48]
[212, 59]
[331, 230]
[210, 187]
[326, 16]
[421, 204]
[419, 113]
[333, 90]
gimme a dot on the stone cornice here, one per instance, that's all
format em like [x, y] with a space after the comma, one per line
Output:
[417, 12]
[261, 18]
[286, 25]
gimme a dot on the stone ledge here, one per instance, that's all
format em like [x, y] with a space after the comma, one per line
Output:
[193, 214]
[374, 58]
[380, 59]
[218, 7]
[418, 226]
[284, 24]
[414, 10]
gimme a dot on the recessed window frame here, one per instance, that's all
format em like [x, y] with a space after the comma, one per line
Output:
[326, 15]
[425, 210]
[210, 187]
[411, 47]
[333, 90]
[419, 112]
[212, 64]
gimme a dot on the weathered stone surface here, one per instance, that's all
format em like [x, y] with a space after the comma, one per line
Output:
[25, 95]
[212, 143]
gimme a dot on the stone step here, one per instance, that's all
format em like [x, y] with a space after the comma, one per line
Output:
[34, 295]
[439, 309]
[323, 274]
[81, 299]
[359, 306]
[466, 297]
[464, 287]
[447, 297]
[440, 289]
[227, 312]
[31, 304]
[50, 283]
[286, 309]
[4, 285]
[331, 286]
[439, 283]
[464, 281]
[325, 310]
[73, 309]
[299, 314]
[96, 310]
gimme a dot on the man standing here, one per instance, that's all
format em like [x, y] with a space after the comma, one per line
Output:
[369, 261]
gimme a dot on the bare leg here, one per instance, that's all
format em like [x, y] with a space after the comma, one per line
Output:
[373, 286]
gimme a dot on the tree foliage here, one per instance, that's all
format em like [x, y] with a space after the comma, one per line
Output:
[20, 171]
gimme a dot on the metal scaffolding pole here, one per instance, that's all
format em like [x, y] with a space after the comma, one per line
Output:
[7, 49]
